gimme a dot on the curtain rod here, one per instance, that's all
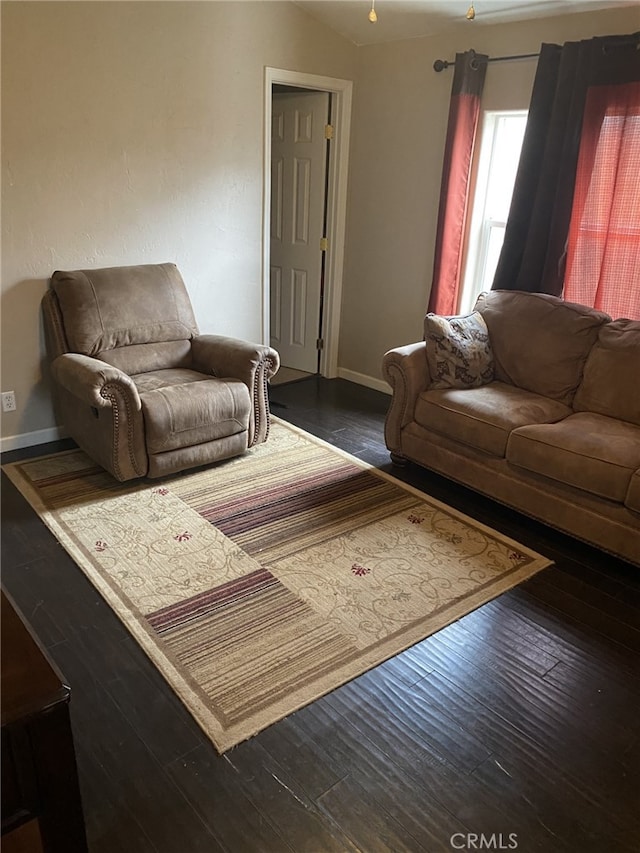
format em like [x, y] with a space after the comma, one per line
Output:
[613, 41]
[441, 64]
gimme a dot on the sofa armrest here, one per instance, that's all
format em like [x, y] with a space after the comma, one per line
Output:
[93, 381]
[253, 364]
[406, 370]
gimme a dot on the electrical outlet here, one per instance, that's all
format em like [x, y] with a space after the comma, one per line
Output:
[8, 401]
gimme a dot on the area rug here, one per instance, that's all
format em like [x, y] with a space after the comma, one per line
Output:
[261, 583]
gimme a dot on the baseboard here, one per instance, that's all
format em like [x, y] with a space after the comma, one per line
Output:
[29, 439]
[363, 379]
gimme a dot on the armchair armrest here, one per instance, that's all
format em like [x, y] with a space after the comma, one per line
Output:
[253, 364]
[100, 406]
[93, 381]
[406, 370]
[232, 358]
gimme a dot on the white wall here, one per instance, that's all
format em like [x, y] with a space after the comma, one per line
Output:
[398, 134]
[132, 133]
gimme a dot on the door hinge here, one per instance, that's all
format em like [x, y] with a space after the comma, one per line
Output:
[320, 343]
[328, 131]
[324, 244]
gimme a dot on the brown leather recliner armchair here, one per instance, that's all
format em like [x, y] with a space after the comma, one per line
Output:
[137, 386]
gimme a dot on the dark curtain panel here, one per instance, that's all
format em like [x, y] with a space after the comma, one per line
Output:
[464, 110]
[534, 251]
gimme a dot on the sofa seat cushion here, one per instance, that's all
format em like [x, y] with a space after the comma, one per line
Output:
[589, 451]
[632, 500]
[484, 417]
[198, 409]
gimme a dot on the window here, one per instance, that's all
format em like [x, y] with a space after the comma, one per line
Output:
[500, 145]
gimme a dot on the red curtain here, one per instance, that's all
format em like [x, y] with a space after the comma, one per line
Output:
[464, 110]
[603, 250]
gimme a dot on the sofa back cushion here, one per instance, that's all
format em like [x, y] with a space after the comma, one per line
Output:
[539, 342]
[105, 309]
[611, 381]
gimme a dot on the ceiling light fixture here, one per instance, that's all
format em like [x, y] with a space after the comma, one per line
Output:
[372, 14]
[471, 12]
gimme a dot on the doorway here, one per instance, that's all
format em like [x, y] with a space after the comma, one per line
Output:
[300, 147]
[320, 324]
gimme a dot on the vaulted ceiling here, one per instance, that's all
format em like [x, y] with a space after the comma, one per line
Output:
[404, 19]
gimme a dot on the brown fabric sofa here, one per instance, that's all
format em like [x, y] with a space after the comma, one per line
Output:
[555, 434]
[137, 386]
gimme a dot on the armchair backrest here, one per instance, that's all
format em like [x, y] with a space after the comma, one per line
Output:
[138, 318]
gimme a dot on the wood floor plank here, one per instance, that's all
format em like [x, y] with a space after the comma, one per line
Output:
[23, 580]
[130, 768]
[602, 703]
[535, 720]
[617, 579]
[518, 754]
[413, 796]
[24, 536]
[175, 827]
[596, 611]
[211, 784]
[558, 813]
[154, 712]
[297, 755]
[534, 639]
[276, 793]
[411, 727]
[369, 825]
[110, 823]
[433, 795]
[488, 642]
[559, 633]
[575, 687]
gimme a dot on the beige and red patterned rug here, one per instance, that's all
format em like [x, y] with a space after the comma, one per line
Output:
[262, 583]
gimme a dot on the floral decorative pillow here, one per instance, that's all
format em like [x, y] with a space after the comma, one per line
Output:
[459, 351]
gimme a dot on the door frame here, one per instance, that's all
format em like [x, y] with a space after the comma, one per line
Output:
[341, 90]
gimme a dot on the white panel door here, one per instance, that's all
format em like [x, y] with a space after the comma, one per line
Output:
[298, 170]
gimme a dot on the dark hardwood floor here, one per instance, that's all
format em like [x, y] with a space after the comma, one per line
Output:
[521, 721]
